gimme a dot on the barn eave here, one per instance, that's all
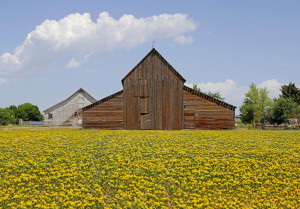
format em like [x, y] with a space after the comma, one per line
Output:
[209, 98]
[102, 100]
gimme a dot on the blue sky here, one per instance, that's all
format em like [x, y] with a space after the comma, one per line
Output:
[50, 49]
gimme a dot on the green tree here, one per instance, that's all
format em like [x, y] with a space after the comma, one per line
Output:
[14, 109]
[290, 91]
[247, 113]
[6, 116]
[196, 88]
[295, 112]
[29, 112]
[216, 95]
[250, 105]
[282, 109]
[265, 103]
[256, 105]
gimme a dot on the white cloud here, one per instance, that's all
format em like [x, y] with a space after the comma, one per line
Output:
[273, 86]
[72, 64]
[228, 89]
[2, 81]
[183, 40]
[78, 35]
[235, 94]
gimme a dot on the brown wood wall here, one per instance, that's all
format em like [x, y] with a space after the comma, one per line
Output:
[153, 96]
[200, 113]
[106, 115]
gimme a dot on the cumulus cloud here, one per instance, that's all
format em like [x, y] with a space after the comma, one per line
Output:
[183, 40]
[2, 81]
[235, 94]
[72, 64]
[78, 35]
[228, 89]
[273, 86]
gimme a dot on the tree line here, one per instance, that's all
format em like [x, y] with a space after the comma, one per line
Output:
[26, 112]
[257, 106]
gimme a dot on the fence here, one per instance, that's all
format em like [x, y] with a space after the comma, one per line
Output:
[277, 127]
[31, 123]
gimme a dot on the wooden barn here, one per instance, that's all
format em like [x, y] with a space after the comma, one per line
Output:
[154, 97]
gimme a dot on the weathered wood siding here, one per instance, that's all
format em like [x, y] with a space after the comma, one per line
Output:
[153, 96]
[105, 115]
[200, 113]
[64, 113]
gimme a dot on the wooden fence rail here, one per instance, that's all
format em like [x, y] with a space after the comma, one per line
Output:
[277, 127]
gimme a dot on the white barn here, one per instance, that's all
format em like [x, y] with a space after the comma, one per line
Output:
[68, 112]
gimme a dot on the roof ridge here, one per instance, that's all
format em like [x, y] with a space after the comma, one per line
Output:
[154, 51]
[79, 90]
[209, 98]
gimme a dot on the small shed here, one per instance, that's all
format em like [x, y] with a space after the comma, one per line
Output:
[69, 111]
[154, 97]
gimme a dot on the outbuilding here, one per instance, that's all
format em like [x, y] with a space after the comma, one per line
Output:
[68, 112]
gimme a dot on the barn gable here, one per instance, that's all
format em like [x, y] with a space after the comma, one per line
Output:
[62, 103]
[155, 71]
[68, 112]
[153, 95]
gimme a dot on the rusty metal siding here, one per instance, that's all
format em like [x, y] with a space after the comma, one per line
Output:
[154, 86]
[207, 114]
[106, 115]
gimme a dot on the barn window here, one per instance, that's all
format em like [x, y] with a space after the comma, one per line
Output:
[50, 116]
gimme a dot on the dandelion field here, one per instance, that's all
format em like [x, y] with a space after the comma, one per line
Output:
[149, 169]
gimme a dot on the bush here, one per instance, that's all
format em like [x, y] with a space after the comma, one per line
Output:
[29, 112]
[250, 126]
[282, 109]
[6, 116]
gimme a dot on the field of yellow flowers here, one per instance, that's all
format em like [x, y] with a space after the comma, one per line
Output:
[149, 169]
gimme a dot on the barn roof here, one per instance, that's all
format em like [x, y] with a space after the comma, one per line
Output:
[154, 52]
[209, 98]
[81, 90]
[103, 100]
